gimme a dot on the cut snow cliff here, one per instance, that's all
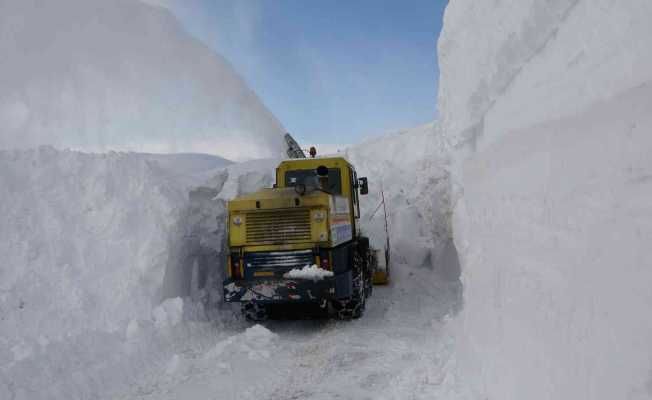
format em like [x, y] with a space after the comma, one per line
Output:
[84, 240]
[91, 244]
[548, 104]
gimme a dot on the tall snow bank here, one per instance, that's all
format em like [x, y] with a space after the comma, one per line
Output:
[415, 184]
[549, 104]
[103, 75]
[195, 266]
[83, 238]
[508, 65]
[91, 244]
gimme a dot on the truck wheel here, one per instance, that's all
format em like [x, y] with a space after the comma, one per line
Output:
[354, 306]
[254, 312]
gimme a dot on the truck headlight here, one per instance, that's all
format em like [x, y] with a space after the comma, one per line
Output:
[237, 220]
[319, 216]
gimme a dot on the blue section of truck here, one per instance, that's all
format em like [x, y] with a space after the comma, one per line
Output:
[277, 263]
[342, 257]
[343, 285]
[263, 279]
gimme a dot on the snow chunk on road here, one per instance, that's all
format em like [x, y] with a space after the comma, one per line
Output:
[258, 341]
[259, 334]
[312, 272]
[255, 342]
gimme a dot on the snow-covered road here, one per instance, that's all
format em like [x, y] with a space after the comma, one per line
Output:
[396, 351]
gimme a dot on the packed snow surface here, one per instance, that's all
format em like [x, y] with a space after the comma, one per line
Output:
[398, 350]
[309, 272]
[101, 75]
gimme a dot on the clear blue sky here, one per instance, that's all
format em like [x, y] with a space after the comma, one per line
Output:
[331, 71]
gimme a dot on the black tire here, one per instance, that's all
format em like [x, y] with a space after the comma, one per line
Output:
[353, 307]
[371, 270]
[368, 264]
[255, 312]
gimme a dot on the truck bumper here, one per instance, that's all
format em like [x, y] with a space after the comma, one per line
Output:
[287, 290]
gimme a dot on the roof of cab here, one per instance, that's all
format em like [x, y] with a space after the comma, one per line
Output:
[305, 163]
[272, 193]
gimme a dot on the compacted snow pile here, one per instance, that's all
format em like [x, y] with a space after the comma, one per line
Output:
[122, 75]
[410, 168]
[548, 106]
[91, 244]
[78, 250]
[84, 242]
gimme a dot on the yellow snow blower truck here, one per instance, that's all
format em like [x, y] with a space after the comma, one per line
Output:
[300, 241]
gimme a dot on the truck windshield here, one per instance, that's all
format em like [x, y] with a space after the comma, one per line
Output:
[309, 178]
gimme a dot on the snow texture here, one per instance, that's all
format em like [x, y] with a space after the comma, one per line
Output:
[112, 263]
[83, 239]
[96, 242]
[416, 188]
[122, 75]
[91, 245]
[547, 108]
[398, 350]
[309, 272]
[535, 182]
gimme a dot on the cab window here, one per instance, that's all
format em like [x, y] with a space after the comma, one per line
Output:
[309, 178]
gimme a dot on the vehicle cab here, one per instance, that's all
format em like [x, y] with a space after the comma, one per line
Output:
[310, 217]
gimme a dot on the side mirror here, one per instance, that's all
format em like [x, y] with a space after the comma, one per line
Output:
[364, 186]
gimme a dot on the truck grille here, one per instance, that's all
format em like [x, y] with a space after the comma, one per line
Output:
[278, 226]
[281, 259]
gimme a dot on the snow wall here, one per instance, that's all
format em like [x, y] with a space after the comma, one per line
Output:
[91, 245]
[416, 191]
[546, 106]
[84, 240]
[122, 75]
